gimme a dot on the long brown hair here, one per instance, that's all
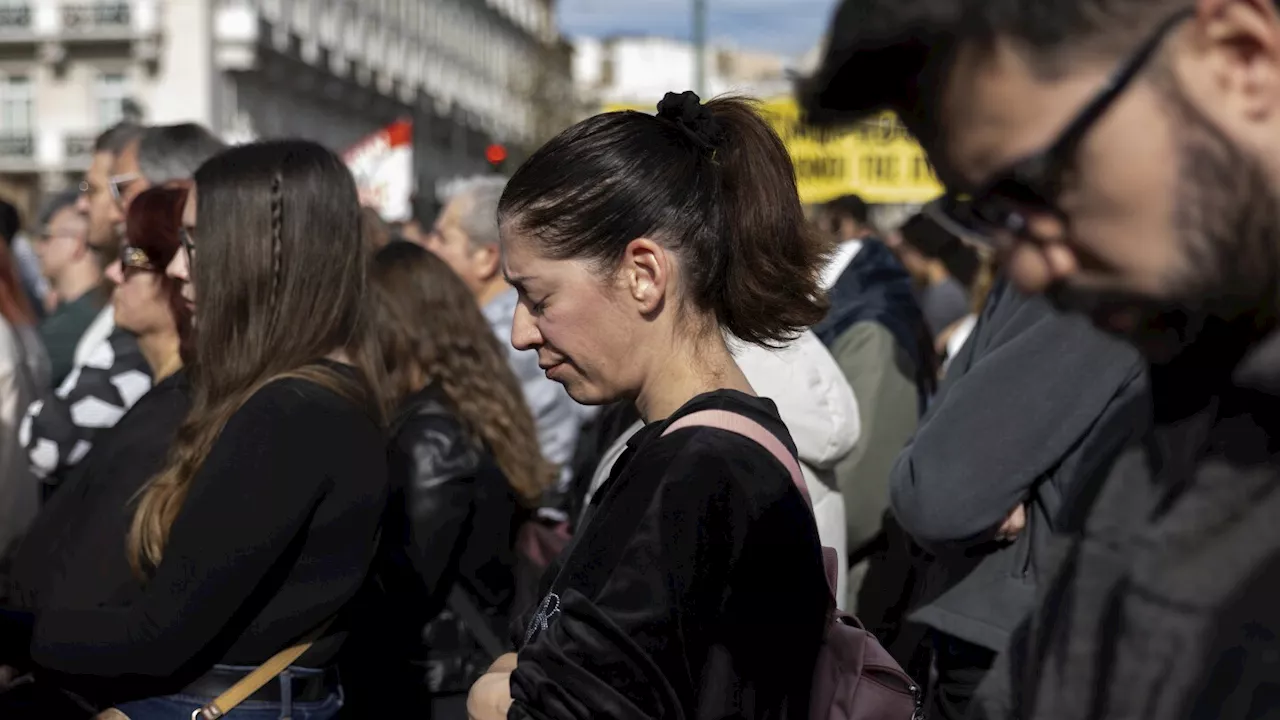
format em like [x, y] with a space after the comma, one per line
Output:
[431, 330]
[14, 305]
[153, 224]
[281, 277]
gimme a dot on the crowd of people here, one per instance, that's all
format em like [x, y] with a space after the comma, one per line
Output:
[621, 435]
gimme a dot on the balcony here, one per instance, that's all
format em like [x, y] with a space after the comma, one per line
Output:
[78, 147]
[17, 145]
[15, 19]
[91, 17]
[17, 152]
[100, 20]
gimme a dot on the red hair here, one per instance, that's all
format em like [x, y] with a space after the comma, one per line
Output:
[153, 226]
[14, 304]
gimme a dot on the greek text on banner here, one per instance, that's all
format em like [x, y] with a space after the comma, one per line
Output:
[877, 159]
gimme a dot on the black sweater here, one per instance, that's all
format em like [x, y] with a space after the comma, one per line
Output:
[276, 535]
[76, 546]
[694, 589]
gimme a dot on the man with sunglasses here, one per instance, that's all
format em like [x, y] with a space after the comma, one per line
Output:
[1125, 154]
[96, 191]
[161, 155]
[110, 373]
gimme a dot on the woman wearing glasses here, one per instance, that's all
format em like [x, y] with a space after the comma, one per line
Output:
[262, 524]
[74, 552]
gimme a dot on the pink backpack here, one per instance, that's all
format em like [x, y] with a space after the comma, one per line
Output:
[854, 677]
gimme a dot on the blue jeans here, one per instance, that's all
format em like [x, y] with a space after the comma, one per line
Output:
[180, 707]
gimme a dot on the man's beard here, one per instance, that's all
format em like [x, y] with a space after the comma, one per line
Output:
[1227, 215]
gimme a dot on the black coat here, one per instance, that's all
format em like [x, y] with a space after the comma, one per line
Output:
[694, 587]
[451, 520]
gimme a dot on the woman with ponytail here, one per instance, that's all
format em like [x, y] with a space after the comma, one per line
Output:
[695, 585]
[263, 523]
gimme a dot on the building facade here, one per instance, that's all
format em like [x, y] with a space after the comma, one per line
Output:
[469, 73]
[639, 70]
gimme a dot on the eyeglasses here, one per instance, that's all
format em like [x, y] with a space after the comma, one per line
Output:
[119, 183]
[134, 260]
[1008, 202]
[952, 217]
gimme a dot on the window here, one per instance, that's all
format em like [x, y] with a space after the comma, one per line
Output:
[15, 104]
[109, 95]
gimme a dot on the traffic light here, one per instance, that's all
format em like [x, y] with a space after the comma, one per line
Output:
[496, 155]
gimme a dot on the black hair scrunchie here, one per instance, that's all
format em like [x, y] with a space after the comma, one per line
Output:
[695, 119]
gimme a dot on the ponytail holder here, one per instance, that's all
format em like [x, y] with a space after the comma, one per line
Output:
[695, 119]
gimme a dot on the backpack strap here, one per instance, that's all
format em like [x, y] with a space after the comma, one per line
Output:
[746, 427]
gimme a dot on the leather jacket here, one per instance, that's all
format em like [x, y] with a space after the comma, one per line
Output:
[452, 518]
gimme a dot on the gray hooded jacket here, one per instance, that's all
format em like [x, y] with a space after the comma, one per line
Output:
[1035, 403]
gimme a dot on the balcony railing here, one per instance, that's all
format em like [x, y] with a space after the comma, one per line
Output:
[15, 17]
[96, 16]
[21, 145]
[78, 146]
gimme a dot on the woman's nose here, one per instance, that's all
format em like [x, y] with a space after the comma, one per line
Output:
[524, 331]
[179, 268]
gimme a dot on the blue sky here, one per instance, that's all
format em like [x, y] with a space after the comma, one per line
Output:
[790, 27]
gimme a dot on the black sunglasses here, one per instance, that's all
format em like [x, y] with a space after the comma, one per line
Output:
[1030, 186]
[134, 260]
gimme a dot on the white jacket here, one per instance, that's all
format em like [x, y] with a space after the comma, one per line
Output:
[819, 409]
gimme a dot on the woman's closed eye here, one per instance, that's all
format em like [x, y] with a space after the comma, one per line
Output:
[536, 307]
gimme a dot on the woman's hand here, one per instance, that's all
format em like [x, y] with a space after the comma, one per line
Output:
[1013, 525]
[504, 664]
[490, 697]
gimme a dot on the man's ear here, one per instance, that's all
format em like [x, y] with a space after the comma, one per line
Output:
[1228, 65]
[488, 261]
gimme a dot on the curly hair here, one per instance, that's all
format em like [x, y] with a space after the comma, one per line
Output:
[431, 331]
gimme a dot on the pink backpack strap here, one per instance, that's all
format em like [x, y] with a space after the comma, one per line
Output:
[754, 431]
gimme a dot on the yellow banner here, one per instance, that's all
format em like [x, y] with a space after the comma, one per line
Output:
[877, 159]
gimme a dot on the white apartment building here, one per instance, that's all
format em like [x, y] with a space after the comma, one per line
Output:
[469, 72]
[639, 70]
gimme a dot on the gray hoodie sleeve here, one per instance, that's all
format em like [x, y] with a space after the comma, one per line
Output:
[1023, 392]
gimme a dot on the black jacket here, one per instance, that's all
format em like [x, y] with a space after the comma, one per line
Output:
[693, 589]
[76, 545]
[275, 537]
[1164, 604]
[452, 519]
[1034, 404]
